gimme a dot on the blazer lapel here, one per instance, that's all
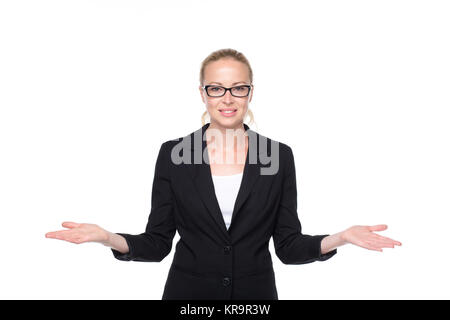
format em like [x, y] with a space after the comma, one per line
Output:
[201, 175]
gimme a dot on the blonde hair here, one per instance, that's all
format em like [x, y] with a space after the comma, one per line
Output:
[221, 54]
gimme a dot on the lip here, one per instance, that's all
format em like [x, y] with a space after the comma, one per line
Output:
[228, 114]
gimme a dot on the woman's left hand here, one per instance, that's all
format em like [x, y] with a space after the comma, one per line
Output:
[365, 237]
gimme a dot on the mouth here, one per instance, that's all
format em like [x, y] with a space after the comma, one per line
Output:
[228, 112]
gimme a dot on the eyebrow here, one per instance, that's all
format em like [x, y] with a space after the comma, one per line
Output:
[232, 84]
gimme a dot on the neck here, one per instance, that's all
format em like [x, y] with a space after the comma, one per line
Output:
[237, 129]
[225, 137]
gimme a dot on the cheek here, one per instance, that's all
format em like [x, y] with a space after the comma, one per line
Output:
[243, 106]
[211, 104]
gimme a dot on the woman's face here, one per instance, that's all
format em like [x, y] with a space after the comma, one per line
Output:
[226, 73]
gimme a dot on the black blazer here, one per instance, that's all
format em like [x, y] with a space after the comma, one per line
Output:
[211, 262]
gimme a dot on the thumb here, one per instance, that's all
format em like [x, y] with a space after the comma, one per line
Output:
[379, 227]
[70, 225]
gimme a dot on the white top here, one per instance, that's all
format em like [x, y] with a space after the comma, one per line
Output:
[227, 188]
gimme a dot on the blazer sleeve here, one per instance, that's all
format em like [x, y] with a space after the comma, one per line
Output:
[156, 242]
[291, 246]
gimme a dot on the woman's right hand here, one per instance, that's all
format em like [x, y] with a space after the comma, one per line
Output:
[80, 233]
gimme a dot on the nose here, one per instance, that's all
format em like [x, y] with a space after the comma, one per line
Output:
[228, 98]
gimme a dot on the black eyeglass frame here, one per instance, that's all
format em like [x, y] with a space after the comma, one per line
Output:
[249, 86]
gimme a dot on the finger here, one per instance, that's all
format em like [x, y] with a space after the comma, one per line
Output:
[379, 227]
[377, 236]
[52, 234]
[370, 246]
[375, 248]
[62, 235]
[70, 225]
[367, 245]
[382, 243]
[68, 235]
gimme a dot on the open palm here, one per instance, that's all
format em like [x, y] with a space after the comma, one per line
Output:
[79, 233]
[365, 237]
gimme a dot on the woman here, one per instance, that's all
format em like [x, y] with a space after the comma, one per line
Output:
[225, 211]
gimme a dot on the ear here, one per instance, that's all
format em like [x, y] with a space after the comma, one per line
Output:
[201, 94]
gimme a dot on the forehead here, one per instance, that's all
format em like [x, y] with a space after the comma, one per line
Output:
[227, 72]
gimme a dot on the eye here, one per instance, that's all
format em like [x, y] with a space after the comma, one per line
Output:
[241, 88]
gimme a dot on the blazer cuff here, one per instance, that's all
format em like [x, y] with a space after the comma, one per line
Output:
[125, 256]
[325, 256]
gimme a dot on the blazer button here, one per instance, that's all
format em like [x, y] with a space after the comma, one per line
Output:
[227, 249]
[226, 281]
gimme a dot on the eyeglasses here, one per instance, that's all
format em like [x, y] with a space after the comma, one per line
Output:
[218, 91]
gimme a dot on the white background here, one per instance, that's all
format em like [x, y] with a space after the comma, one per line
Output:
[90, 89]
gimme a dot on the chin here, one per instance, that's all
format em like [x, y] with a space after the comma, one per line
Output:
[229, 123]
